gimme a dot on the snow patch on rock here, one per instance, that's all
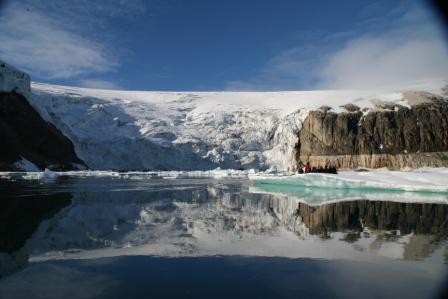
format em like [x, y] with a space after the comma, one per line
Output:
[26, 165]
[12, 79]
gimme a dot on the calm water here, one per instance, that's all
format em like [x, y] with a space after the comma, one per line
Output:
[134, 237]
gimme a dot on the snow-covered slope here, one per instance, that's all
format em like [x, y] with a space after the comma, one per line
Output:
[136, 130]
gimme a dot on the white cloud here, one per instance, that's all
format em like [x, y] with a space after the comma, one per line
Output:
[98, 84]
[410, 49]
[383, 61]
[57, 39]
[38, 44]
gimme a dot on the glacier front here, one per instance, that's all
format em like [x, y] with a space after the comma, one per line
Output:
[137, 130]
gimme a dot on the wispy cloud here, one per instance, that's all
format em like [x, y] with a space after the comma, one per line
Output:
[408, 48]
[289, 69]
[57, 39]
[33, 41]
[98, 84]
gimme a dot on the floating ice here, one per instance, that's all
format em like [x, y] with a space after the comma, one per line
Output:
[46, 175]
[399, 185]
[408, 186]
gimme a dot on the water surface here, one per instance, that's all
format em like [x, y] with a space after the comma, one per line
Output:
[140, 237]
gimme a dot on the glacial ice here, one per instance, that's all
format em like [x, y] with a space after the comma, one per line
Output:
[45, 176]
[138, 130]
[142, 130]
[419, 185]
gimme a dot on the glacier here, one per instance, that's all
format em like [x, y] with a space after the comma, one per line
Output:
[140, 130]
[149, 130]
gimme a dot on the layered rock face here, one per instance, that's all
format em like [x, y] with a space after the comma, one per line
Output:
[388, 136]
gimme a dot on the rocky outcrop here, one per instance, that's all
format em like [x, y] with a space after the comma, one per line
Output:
[25, 136]
[28, 142]
[390, 136]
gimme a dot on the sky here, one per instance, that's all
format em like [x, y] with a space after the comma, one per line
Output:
[204, 45]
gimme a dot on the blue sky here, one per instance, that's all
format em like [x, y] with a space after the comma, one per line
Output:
[223, 45]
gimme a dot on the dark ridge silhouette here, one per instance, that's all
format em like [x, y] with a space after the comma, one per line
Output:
[24, 134]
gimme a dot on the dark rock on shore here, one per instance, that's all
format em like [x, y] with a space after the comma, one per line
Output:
[25, 135]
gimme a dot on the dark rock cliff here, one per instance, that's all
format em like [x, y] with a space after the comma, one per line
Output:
[389, 136]
[25, 135]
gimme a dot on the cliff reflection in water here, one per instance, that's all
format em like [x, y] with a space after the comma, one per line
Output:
[19, 219]
[427, 224]
[204, 217]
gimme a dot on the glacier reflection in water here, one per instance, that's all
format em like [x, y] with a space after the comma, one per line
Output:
[89, 219]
